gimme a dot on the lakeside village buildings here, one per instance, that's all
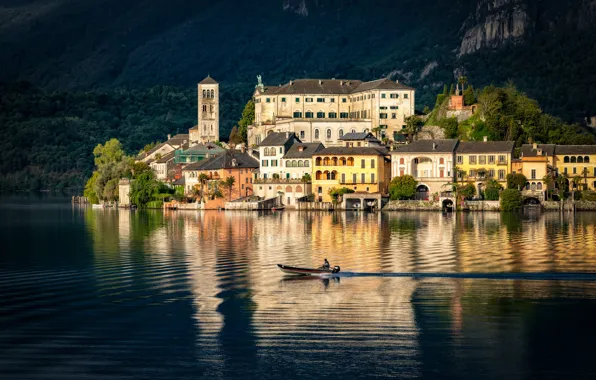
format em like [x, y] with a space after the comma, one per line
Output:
[324, 129]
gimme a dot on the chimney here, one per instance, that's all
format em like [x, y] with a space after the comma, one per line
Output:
[434, 146]
[485, 138]
[169, 136]
[396, 81]
[534, 146]
[287, 134]
[291, 82]
[539, 152]
[242, 148]
[320, 81]
[341, 83]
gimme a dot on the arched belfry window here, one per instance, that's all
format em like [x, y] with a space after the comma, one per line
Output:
[212, 93]
[204, 94]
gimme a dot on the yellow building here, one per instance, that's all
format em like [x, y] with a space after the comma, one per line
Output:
[535, 162]
[577, 160]
[360, 168]
[478, 161]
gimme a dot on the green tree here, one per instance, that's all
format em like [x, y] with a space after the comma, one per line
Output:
[516, 181]
[492, 190]
[467, 191]
[248, 118]
[203, 178]
[306, 178]
[90, 189]
[563, 184]
[469, 96]
[144, 189]
[488, 104]
[229, 184]
[511, 200]
[548, 183]
[337, 194]
[235, 137]
[402, 187]
[413, 124]
[451, 126]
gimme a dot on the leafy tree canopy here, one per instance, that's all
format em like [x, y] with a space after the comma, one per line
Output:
[402, 187]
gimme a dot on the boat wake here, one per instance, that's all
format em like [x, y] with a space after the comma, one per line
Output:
[563, 276]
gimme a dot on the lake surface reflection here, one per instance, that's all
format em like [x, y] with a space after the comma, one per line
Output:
[128, 295]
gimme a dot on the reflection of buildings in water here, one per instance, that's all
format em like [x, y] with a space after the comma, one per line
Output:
[352, 240]
[435, 249]
[352, 317]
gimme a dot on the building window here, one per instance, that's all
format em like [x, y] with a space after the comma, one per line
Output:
[264, 163]
[283, 100]
[491, 173]
[586, 160]
[482, 160]
[372, 164]
[472, 160]
[393, 96]
[332, 100]
[382, 116]
[394, 116]
[362, 164]
[343, 177]
[472, 173]
[383, 108]
[320, 115]
[301, 134]
[383, 96]
[502, 159]
[565, 170]
[574, 170]
[372, 178]
[394, 107]
[332, 115]
[316, 134]
[501, 175]
[309, 115]
[297, 100]
[268, 100]
[533, 174]
[343, 115]
[204, 92]
[273, 162]
[405, 96]
[460, 159]
[341, 133]
[491, 159]
[566, 159]
[328, 134]
[306, 163]
[363, 177]
[320, 100]
[354, 178]
[297, 114]
[308, 100]
[343, 100]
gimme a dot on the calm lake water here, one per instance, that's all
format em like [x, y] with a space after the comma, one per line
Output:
[90, 294]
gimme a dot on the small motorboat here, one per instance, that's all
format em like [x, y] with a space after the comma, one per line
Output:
[277, 208]
[308, 271]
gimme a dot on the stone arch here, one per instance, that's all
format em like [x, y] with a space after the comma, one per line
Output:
[318, 161]
[566, 159]
[422, 192]
[326, 161]
[350, 161]
[289, 189]
[319, 175]
[298, 189]
[573, 159]
[580, 160]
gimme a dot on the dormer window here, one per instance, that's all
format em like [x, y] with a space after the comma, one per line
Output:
[234, 162]
[300, 149]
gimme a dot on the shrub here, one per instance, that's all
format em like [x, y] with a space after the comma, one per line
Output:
[403, 187]
[467, 191]
[337, 193]
[589, 195]
[511, 200]
[154, 204]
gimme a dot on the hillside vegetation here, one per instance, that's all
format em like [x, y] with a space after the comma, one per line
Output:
[47, 137]
[507, 114]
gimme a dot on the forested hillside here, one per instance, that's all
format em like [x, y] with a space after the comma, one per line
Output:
[122, 49]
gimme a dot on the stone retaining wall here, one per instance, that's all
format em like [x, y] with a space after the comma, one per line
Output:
[409, 205]
[483, 205]
[314, 206]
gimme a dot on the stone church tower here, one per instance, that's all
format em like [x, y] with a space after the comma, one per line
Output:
[207, 128]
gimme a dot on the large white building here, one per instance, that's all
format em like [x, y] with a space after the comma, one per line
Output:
[323, 110]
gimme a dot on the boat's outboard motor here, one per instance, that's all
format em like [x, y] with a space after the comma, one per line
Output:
[335, 269]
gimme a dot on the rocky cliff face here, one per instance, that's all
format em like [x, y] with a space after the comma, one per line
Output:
[495, 23]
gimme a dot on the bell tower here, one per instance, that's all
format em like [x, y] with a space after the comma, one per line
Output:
[208, 111]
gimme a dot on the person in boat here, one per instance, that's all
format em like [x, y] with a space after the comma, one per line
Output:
[325, 264]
